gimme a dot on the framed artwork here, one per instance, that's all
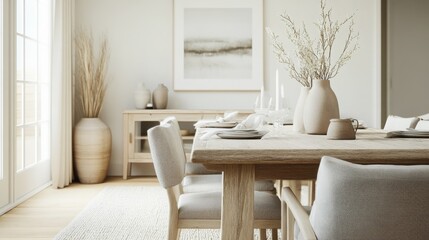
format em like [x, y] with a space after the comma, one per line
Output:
[218, 45]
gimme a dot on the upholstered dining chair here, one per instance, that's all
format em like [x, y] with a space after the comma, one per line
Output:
[199, 179]
[364, 202]
[191, 168]
[201, 209]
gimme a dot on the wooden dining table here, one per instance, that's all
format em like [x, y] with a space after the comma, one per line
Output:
[284, 154]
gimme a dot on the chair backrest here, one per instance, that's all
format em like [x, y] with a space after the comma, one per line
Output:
[173, 121]
[190, 168]
[175, 125]
[370, 201]
[167, 154]
[396, 123]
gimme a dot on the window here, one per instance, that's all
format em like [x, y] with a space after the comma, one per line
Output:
[32, 82]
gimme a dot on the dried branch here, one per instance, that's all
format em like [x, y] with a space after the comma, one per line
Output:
[91, 74]
[316, 58]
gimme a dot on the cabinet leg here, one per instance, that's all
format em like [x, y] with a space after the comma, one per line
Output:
[126, 171]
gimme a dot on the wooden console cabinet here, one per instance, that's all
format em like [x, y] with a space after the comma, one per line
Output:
[137, 122]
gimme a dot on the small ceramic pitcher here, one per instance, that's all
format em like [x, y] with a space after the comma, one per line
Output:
[342, 129]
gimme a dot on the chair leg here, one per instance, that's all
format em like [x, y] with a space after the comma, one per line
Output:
[284, 220]
[274, 234]
[173, 234]
[279, 186]
[311, 192]
[290, 224]
[173, 230]
[263, 234]
[295, 185]
[178, 233]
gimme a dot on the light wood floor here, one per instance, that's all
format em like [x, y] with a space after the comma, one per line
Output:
[45, 214]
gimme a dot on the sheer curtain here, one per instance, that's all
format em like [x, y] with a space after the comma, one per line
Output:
[62, 94]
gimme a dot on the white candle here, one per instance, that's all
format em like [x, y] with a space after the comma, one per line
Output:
[277, 91]
[262, 96]
[282, 94]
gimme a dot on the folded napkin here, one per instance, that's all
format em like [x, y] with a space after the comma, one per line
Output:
[409, 133]
[424, 116]
[253, 121]
[227, 117]
[396, 123]
[423, 125]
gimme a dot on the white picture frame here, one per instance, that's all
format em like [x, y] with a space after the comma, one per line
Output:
[218, 45]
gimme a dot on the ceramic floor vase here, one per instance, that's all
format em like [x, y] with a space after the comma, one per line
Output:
[91, 150]
[298, 121]
[320, 107]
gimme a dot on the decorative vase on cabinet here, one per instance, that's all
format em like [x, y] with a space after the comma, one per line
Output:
[320, 107]
[141, 96]
[160, 97]
[92, 148]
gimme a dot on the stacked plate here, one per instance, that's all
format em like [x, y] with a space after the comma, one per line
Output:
[220, 125]
[242, 134]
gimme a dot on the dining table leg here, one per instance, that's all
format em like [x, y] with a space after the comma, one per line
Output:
[237, 202]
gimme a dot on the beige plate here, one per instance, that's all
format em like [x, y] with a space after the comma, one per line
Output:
[220, 125]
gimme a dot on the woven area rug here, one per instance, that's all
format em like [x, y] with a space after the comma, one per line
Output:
[129, 212]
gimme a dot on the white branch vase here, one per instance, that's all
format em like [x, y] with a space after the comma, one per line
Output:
[91, 150]
[298, 122]
[321, 106]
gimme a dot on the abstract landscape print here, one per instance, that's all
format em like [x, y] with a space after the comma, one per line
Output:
[218, 45]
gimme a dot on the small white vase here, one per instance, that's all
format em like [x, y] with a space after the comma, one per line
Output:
[141, 96]
[92, 144]
[320, 107]
[298, 121]
[160, 97]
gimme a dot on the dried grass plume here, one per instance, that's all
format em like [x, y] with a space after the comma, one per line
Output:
[91, 73]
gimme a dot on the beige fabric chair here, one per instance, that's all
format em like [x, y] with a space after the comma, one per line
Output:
[199, 179]
[191, 168]
[203, 209]
[364, 202]
[396, 123]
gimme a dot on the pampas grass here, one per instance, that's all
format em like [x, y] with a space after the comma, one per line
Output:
[91, 74]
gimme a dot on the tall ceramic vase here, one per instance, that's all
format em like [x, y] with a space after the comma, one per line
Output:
[160, 97]
[320, 107]
[92, 147]
[141, 96]
[298, 121]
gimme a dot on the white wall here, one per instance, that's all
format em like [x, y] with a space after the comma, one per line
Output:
[140, 34]
[408, 51]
